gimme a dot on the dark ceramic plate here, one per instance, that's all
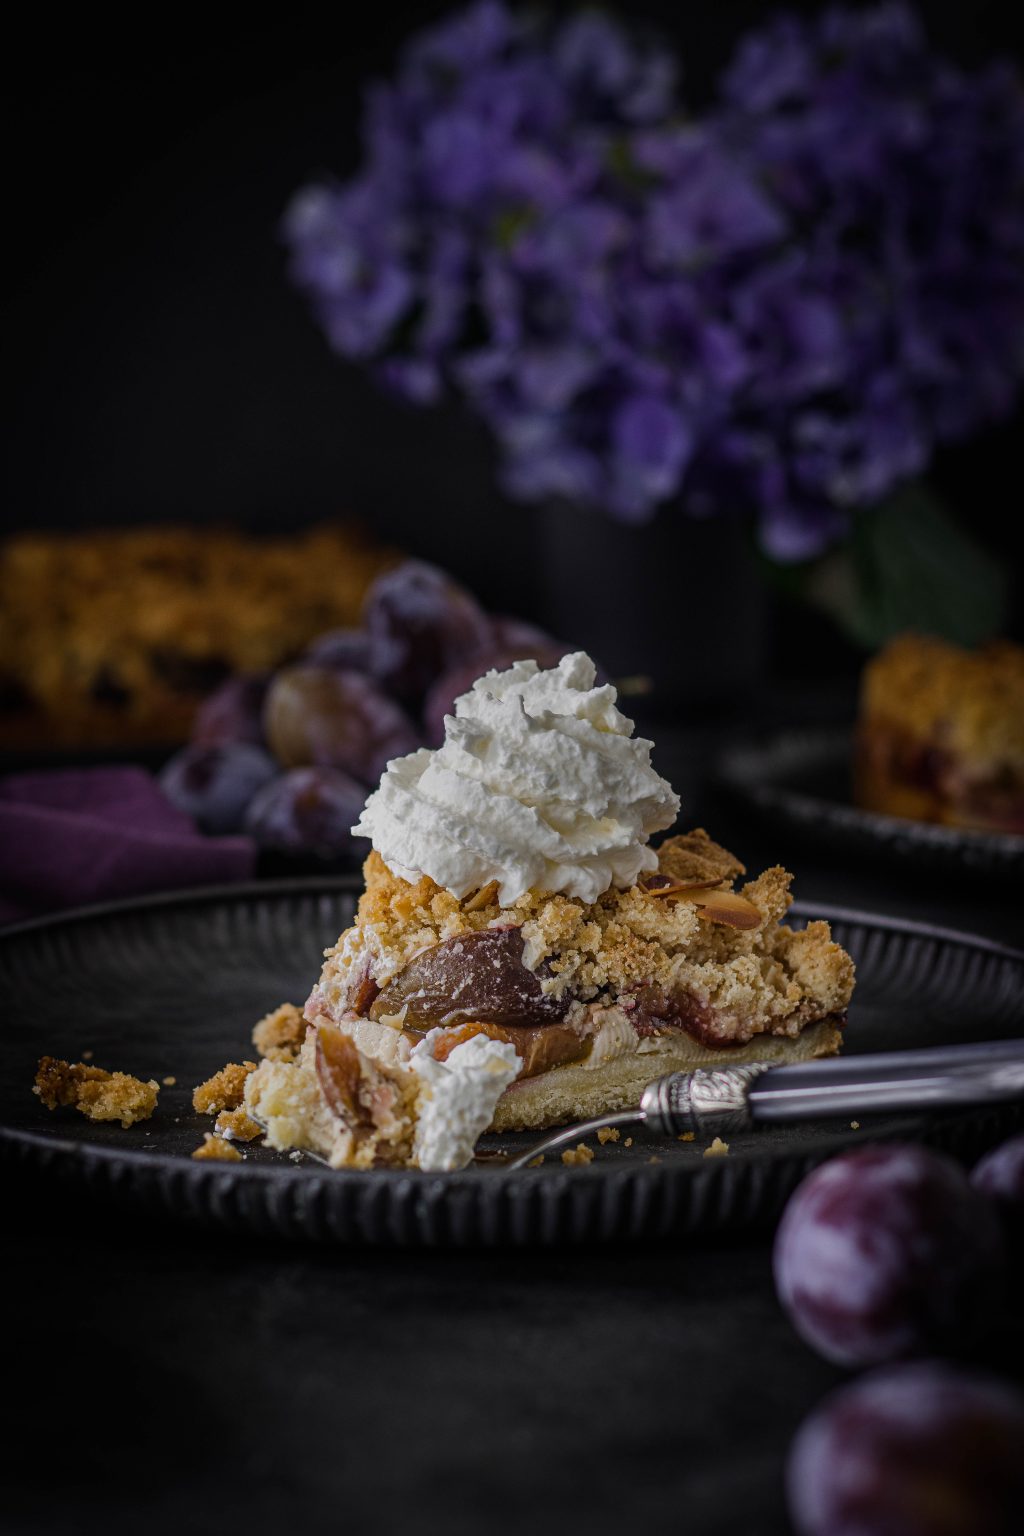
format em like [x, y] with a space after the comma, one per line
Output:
[802, 779]
[171, 986]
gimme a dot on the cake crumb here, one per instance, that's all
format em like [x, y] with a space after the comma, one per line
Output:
[224, 1090]
[536, 1161]
[237, 1125]
[88, 1055]
[718, 1148]
[279, 1034]
[854, 1125]
[628, 1141]
[169, 1082]
[215, 1149]
[654, 1159]
[687, 1136]
[578, 1157]
[607, 1133]
[97, 1094]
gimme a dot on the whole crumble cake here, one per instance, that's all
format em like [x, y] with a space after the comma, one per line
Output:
[114, 636]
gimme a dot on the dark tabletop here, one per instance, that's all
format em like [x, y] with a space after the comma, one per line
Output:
[168, 1378]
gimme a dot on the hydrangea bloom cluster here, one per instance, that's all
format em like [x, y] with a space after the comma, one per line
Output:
[782, 307]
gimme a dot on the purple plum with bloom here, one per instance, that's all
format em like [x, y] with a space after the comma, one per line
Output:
[309, 812]
[351, 650]
[324, 717]
[451, 685]
[420, 622]
[912, 1450]
[214, 784]
[884, 1252]
[233, 712]
[1000, 1174]
[786, 306]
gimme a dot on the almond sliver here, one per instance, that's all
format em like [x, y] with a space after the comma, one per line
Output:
[715, 903]
[676, 887]
[727, 907]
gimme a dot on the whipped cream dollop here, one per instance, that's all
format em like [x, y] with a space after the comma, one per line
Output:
[458, 1097]
[540, 785]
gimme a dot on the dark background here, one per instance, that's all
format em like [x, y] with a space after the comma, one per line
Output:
[161, 368]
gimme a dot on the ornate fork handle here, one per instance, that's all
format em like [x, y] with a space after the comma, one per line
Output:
[701, 1101]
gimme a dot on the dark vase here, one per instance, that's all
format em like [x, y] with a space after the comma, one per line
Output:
[678, 601]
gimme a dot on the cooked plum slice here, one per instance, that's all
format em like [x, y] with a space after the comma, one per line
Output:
[539, 1048]
[473, 976]
[362, 991]
[337, 1067]
[361, 1092]
[651, 1008]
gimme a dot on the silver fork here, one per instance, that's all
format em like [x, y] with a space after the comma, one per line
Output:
[710, 1101]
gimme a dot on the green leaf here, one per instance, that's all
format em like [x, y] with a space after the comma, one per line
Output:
[910, 565]
[509, 223]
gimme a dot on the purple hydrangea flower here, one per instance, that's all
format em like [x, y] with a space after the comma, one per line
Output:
[785, 307]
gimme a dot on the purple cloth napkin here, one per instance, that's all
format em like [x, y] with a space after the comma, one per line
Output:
[79, 835]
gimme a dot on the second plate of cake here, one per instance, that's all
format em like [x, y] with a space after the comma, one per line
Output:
[932, 775]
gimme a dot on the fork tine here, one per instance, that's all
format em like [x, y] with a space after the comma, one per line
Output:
[573, 1133]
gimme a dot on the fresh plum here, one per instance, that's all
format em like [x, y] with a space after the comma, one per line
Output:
[317, 716]
[521, 639]
[1000, 1174]
[309, 811]
[349, 649]
[214, 784]
[911, 1450]
[233, 712]
[884, 1252]
[441, 696]
[420, 622]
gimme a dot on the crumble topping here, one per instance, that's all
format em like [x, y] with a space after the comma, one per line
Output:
[578, 1157]
[214, 1149]
[224, 1090]
[718, 1148]
[766, 977]
[95, 1093]
[607, 1133]
[279, 1034]
[236, 1125]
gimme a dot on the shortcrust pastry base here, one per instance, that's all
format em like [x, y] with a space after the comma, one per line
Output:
[577, 1092]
